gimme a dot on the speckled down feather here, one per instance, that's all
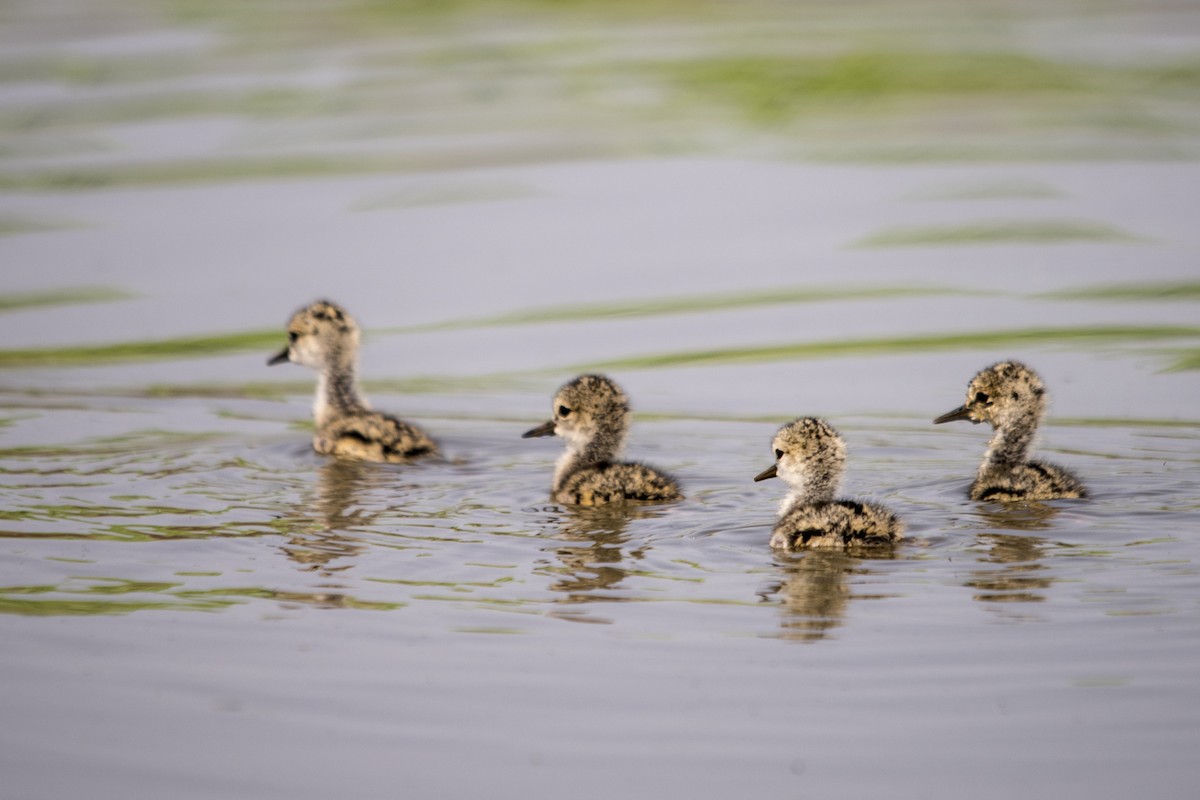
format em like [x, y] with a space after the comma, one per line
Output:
[810, 457]
[325, 338]
[1011, 397]
[592, 414]
[371, 436]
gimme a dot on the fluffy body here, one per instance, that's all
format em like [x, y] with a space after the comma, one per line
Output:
[1011, 397]
[372, 436]
[323, 337]
[591, 413]
[810, 457]
[835, 524]
[614, 482]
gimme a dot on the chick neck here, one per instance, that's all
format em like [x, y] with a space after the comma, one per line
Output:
[1012, 440]
[337, 388]
[596, 444]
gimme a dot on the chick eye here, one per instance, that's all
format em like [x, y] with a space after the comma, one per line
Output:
[293, 336]
[981, 398]
[563, 411]
[778, 454]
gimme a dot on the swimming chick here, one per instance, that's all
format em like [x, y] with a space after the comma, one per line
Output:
[592, 414]
[324, 337]
[1012, 399]
[810, 457]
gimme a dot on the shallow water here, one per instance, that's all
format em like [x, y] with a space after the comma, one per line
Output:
[193, 603]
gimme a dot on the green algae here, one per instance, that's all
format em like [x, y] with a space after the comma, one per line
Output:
[243, 168]
[432, 384]
[688, 304]
[317, 599]
[770, 89]
[25, 600]
[1114, 334]
[82, 600]
[181, 347]
[11, 225]
[1124, 422]
[76, 608]
[1186, 360]
[998, 232]
[79, 295]
[1181, 290]
[999, 189]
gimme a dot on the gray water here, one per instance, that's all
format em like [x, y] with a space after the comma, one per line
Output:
[194, 604]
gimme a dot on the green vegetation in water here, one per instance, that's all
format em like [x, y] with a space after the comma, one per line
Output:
[910, 104]
[145, 107]
[1186, 360]
[357, 18]
[317, 599]
[57, 608]
[437, 384]
[1130, 291]
[901, 344]
[689, 304]
[182, 347]
[113, 68]
[62, 297]
[1001, 148]
[776, 88]
[1124, 422]
[147, 440]
[998, 232]
[250, 168]
[240, 391]
[13, 225]
[1001, 189]
[803, 65]
[120, 586]
[23, 600]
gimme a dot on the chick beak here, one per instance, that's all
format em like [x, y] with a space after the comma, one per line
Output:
[769, 472]
[278, 358]
[962, 412]
[545, 429]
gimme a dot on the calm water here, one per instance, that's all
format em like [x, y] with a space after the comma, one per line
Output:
[193, 604]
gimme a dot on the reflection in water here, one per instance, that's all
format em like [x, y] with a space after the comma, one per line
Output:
[1020, 575]
[814, 591]
[316, 535]
[592, 553]
[1030, 516]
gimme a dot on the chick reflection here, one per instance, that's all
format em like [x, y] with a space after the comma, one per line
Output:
[1029, 516]
[1019, 576]
[814, 591]
[592, 555]
[316, 536]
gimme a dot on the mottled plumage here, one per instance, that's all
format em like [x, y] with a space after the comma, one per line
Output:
[592, 414]
[1012, 399]
[324, 337]
[810, 458]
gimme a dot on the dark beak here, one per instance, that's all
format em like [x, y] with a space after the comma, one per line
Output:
[962, 412]
[769, 472]
[545, 429]
[278, 358]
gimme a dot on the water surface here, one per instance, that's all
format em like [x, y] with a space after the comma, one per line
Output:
[195, 604]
